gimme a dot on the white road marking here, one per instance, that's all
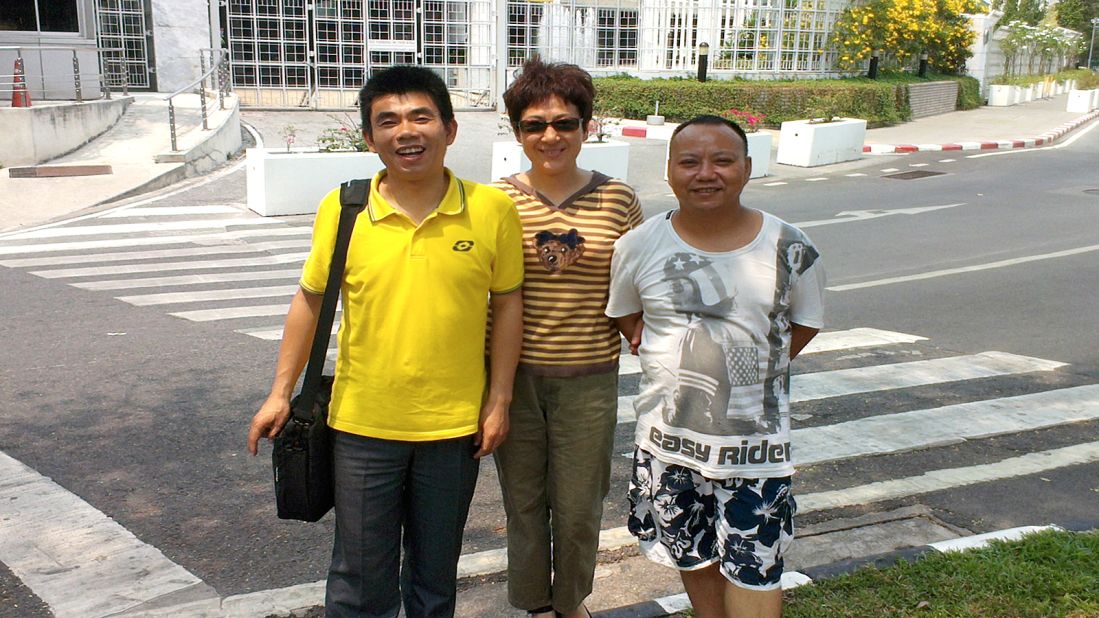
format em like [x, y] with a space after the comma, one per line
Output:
[855, 175]
[842, 382]
[173, 211]
[964, 269]
[76, 559]
[905, 431]
[817, 179]
[949, 478]
[774, 184]
[265, 332]
[917, 165]
[830, 341]
[144, 300]
[947, 160]
[142, 228]
[889, 169]
[124, 256]
[232, 313]
[978, 541]
[155, 282]
[848, 216]
[128, 269]
[115, 243]
[876, 378]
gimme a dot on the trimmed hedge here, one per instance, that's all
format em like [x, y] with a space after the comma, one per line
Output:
[879, 102]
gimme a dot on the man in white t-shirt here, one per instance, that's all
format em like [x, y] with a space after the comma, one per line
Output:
[717, 298]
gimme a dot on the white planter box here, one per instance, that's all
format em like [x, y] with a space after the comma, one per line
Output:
[610, 157]
[759, 148]
[293, 183]
[1001, 96]
[806, 144]
[1095, 98]
[1028, 94]
[1080, 101]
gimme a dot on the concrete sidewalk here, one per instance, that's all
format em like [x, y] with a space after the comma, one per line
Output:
[131, 148]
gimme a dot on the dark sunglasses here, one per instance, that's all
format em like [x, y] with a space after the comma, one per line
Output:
[561, 125]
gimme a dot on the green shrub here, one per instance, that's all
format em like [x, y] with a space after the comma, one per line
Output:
[1088, 81]
[969, 91]
[877, 103]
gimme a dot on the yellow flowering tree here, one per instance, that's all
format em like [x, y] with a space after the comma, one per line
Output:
[902, 30]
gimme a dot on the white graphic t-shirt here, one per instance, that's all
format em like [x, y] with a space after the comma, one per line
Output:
[715, 349]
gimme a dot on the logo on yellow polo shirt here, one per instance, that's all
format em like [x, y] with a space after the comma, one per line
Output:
[463, 245]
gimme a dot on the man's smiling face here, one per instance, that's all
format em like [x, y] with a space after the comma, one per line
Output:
[707, 167]
[409, 134]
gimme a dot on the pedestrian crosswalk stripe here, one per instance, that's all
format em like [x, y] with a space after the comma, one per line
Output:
[949, 478]
[142, 228]
[159, 282]
[143, 241]
[892, 433]
[840, 382]
[265, 332]
[167, 298]
[172, 211]
[829, 341]
[230, 313]
[128, 269]
[836, 383]
[125, 256]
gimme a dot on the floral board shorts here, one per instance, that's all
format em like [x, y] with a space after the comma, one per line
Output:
[687, 521]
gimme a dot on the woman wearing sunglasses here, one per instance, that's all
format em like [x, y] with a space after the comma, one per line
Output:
[554, 467]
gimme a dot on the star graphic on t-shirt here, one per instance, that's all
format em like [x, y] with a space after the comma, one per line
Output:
[678, 262]
[695, 259]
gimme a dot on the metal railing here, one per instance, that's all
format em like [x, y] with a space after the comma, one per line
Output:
[111, 64]
[218, 74]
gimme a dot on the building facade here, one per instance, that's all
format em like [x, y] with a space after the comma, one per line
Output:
[318, 53]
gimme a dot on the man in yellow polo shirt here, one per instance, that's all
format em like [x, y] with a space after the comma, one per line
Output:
[412, 407]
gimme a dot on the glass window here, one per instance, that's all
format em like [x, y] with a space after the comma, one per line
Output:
[18, 15]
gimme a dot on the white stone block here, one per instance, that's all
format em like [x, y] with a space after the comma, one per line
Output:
[1080, 101]
[1001, 96]
[806, 144]
[293, 183]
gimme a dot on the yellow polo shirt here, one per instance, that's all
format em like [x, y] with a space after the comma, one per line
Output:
[411, 360]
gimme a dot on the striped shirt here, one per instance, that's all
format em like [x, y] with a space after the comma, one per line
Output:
[567, 257]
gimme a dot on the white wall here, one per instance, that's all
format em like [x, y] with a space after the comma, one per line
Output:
[39, 133]
[180, 29]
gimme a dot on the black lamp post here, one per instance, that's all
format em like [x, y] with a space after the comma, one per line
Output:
[873, 72]
[703, 60]
[923, 64]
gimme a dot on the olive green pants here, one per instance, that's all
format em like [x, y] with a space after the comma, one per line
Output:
[554, 472]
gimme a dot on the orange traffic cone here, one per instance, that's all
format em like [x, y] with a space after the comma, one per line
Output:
[20, 96]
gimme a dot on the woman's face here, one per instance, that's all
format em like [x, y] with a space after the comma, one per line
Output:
[552, 150]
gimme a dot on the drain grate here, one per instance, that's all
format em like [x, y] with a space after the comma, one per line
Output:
[913, 175]
[1091, 191]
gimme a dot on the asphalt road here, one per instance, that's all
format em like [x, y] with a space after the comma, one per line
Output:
[143, 414]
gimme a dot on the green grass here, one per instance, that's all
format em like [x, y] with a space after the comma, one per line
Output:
[1044, 574]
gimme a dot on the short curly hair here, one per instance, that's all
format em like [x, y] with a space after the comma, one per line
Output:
[540, 80]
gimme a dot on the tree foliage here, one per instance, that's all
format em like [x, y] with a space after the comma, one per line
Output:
[903, 29]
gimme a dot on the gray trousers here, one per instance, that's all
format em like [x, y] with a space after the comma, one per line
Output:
[392, 495]
[554, 472]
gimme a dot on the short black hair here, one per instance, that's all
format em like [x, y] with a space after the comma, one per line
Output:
[403, 79]
[711, 120]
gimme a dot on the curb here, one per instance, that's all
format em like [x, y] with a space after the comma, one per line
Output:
[1044, 139]
[665, 606]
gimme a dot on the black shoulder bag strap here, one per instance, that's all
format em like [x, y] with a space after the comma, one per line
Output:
[353, 196]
